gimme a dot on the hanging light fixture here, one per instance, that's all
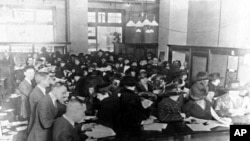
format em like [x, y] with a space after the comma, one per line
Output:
[146, 22]
[138, 30]
[130, 22]
[154, 23]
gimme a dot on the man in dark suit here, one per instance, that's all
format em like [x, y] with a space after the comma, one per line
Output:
[46, 112]
[42, 80]
[64, 128]
[24, 89]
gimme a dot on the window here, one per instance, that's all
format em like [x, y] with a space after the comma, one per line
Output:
[4, 48]
[114, 17]
[44, 16]
[101, 17]
[21, 48]
[91, 17]
[107, 35]
[106, 30]
[26, 25]
[92, 45]
[91, 31]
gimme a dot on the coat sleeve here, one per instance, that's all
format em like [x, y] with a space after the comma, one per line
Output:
[45, 114]
[65, 136]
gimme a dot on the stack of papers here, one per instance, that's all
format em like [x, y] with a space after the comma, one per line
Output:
[155, 127]
[100, 131]
[6, 138]
[198, 127]
[21, 128]
[16, 123]
[203, 125]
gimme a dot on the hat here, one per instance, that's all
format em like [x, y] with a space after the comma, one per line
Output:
[201, 76]
[173, 93]
[180, 73]
[148, 95]
[214, 76]
[103, 87]
[128, 81]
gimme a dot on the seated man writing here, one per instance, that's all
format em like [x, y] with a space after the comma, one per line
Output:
[64, 128]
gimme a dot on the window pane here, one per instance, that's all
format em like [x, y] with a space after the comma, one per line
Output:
[114, 18]
[24, 15]
[107, 35]
[91, 31]
[21, 48]
[43, 33]
[6, 15]
[92, 45]
[91, 17]
[4, 48]
[101, 17]
[44, 16]
[3, 33]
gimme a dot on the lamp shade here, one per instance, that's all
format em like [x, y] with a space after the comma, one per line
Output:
[146, 22]
[138, 30]
[139, 24]
[154, 23]
[130, 23]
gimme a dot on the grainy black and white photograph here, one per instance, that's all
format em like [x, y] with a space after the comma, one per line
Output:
[124, 70]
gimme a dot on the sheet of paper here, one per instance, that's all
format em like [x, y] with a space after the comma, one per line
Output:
[6, 138]
[21, 128]
[198, 127]
[16, 123]
[155, 127]
[194, 120]
[100, 131]
[3, 114]
[9, 110]
[212, 124]
[4, 122]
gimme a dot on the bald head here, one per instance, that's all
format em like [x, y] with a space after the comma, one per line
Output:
[76, 109]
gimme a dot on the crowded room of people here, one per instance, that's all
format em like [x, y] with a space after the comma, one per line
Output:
[123, 70]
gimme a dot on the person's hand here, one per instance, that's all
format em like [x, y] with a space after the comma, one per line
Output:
[147, 121]
[152, 117]
[88, 126]
[226, 120]
[183, 115]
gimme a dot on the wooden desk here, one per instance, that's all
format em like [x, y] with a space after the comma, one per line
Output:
[181, 132]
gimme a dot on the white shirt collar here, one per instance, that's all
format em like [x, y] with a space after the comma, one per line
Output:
[53, 99]
[70, 120]
[42, 89]
[28, 80]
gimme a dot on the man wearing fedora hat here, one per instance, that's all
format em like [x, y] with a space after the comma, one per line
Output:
[213, 86]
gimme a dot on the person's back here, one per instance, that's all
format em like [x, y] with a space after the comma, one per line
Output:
[64, 128]
[64, 131]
